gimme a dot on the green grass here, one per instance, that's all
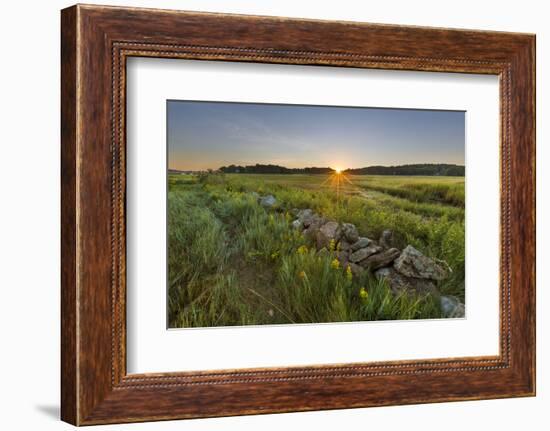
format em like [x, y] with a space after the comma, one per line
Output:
[446, 190]
[233, 263]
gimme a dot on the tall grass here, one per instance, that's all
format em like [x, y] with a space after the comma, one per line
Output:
[233, 263]
[421, 189]
[437, 230]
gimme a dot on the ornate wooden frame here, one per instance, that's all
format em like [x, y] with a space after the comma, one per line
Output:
[95, 42]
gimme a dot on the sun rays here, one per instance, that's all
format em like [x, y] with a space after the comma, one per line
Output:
[336, 180]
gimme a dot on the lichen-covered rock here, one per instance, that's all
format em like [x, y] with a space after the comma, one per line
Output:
[313, 227]
[297, 224]
[343, 245]
[412, 263]
[381, 259]
[452, 307]
[386, 239]
[363, 253]
[329, 232]
[350, 232]
[268, 201]
[399, 283]
[362, 242]
[356, 270]
[306, 217]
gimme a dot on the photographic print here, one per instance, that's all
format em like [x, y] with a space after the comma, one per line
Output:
[295, 214]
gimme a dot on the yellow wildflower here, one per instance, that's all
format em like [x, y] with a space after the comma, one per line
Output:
[302, 250]
[335, 264]
[332, 245]
[363, 294]
[349, 274]
[302, 274]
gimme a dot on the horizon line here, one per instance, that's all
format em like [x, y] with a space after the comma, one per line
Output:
[321, 167]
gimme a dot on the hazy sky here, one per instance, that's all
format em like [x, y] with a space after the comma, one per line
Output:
[204, 135]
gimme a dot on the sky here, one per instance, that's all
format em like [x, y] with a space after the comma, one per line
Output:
[208, 135]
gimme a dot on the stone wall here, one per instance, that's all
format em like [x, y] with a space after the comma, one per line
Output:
[406, 271]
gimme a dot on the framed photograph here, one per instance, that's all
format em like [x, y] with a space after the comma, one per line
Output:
[264, 215]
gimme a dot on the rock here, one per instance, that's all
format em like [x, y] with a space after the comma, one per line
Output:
[412, 263]
[343, 245]
[343, 258]
[305, 216]
[356, 270]
[362, 242]
[331, 230]
[315, 224]
[295, 212]
[363, 253]
[452, 307]
[328, 232]
[297, 224]
[386, 239]
[379, 260]
[310, 232]
[399, 283]
[459, 312]
[350, 232]
[268, 201]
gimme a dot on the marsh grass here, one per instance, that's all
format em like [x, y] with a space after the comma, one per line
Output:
[231, 262]
[445, 190]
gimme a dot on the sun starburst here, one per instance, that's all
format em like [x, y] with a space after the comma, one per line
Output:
[336, 180]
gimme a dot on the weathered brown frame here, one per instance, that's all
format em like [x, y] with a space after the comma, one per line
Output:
[95, 43]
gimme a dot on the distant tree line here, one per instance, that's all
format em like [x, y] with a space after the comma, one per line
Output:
[272, 169]
[440, 169]
[418, 169]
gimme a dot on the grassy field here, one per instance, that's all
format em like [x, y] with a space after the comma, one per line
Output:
[231, 262]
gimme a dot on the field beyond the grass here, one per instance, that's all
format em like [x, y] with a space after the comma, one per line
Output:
[233, 262]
